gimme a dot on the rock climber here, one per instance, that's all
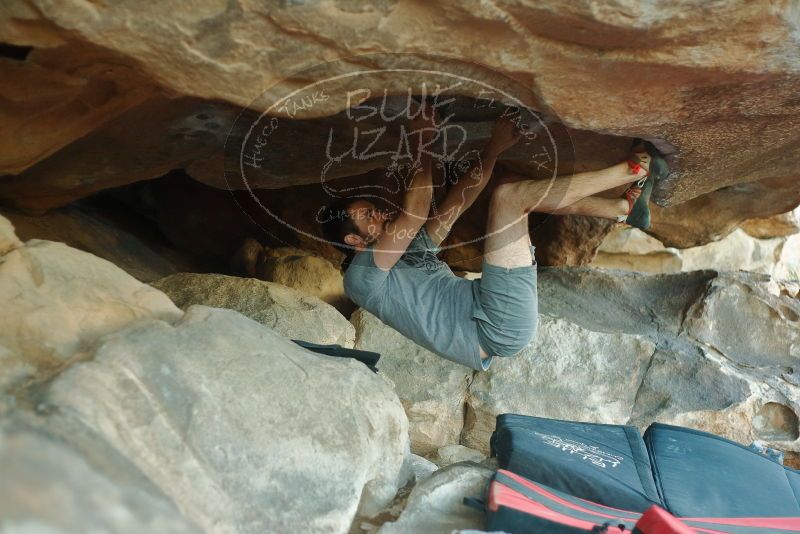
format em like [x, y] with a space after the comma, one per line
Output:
[394, 272]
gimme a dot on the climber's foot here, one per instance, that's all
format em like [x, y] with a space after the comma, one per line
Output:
[639, 216]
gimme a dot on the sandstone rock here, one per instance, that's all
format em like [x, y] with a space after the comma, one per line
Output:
[8, 237]
[703, 92]
[109, 233]
[305, 272]
[781, 225]
[147, 141]
[57, 94]
[712, 216]
[451, 454]
[633, 250]
[49, 486]
[436, 505]
[432, 389]
[598, 372]
[223, 415]
[101, 71]
[59, 301]
[737, 251]
[292, 314]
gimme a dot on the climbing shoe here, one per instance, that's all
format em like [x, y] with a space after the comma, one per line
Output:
[656, 169]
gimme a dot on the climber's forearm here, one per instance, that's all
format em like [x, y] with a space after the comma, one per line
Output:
[473, 182]
[417, 201]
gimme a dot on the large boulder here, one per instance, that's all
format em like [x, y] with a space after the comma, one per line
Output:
[433, 390]
[50, 485]
[291, 313]
[58, 301]
[725, 347]
[243, 430]
[80, 84]
[306, 272]
[599, 373]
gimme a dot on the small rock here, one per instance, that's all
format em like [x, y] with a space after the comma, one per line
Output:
[436, 506]
[451, 454]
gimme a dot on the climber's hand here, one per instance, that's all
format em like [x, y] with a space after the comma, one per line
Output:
[506, 133]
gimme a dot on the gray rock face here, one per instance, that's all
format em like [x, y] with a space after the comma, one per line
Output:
[49, 486]
[233, 422]
[289, 312]
[436, 506]
[702, 349]
[726, 347]
[433, 390]
[569, 373]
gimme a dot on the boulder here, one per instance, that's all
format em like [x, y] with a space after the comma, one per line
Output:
[598, 372]
[750, 326]
[291, 313]
[432, 389]
[49, 485]
[8, 236]
[59, 302]
[737, 251]
[243, 430]
[708, 370]
[713, 215]
[781, 225]
[633, 250]
[83, 83]
[302, 270]
[436, 506]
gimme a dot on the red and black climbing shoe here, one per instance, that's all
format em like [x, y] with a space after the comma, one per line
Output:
[645, 157]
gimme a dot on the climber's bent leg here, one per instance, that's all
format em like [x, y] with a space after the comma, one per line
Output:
[506, 308]
[523, 196]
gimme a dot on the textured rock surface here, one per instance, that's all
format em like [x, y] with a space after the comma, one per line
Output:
[633, 250]
[450, 454]
[59, 301]
[693, 378]
[8, 236]
[714, 215]
[223, 415]
[780, 225]
[50, 486]
[129, 243]
[291, 313]
[435, 505]
[599, 373]
[302, 270]
[722, 102]
[432, 389]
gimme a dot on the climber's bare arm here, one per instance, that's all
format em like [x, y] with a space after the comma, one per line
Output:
[399, 233]
[464, 193]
